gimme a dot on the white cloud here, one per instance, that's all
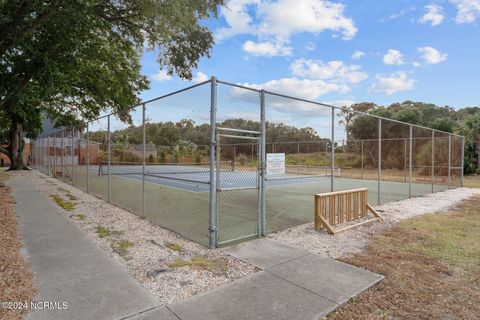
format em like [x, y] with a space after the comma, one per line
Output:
[267, 49]
[200, 77]
[160, 76]
[358, 55]
[277, 21]
[431, 55]
[302, 88]
[467, 10]
[393, 57]
[416, 64]
[393, 83]
[434, 15]
[333, 71]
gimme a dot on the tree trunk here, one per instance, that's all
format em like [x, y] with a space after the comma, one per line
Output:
[17, 144]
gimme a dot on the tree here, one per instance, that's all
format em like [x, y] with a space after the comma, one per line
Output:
[74, 59]
[471, 130]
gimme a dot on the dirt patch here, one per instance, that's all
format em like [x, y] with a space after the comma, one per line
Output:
[431, 267]
[16, 280]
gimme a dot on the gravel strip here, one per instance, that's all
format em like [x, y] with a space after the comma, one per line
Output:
[144, 254]
[354, 240]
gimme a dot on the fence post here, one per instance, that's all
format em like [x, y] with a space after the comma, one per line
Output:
[143, 161]
[449, 158]
[72, 155]
[405, 159]
[362, 157]
[88, 158]
[213, 187]
[48, 156]
[332, 165]
[62, 146]
[262, 220]
[433, 161]
[109, 188]
[379, 167]
[410, 160]
[462, 165]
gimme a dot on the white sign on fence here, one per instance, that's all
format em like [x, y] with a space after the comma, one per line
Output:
[275, 164]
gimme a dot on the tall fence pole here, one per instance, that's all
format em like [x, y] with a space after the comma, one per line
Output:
[88, 158]
[433, 161]
[410, 160]
[62, 146]
[213, 187]
[72, 155]
[449, 159]
[143, 161]
[109, 182]
[332, 165]
[48, 156]
[462, 165]
[379, 167]
[361, 159]
[262, 220]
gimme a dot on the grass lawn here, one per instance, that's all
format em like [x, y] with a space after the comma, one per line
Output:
[432, 269]
[472, 181]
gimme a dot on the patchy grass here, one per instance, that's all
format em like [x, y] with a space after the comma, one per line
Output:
[63, 190]
[66, 205]
[3, 175]
[432, 269]
[103, 232]
[197, 262]
[80, 216]
[471, 181]
[121, 247]
[173, 246]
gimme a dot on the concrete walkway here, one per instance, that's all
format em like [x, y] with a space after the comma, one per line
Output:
[69, 267]
[293, 284]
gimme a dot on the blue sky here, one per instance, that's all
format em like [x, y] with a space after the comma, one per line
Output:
[344, 51]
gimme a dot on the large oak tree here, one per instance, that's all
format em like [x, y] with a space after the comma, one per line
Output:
[73, 59]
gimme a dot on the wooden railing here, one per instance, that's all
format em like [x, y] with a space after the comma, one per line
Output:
[334, 208]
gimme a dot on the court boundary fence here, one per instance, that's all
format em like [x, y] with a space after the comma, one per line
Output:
[68, 138]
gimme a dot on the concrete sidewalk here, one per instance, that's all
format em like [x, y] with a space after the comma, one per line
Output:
[293, 284]
[69, 267]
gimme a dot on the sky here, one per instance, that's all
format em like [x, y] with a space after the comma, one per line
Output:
[343, 51]
[337, 52]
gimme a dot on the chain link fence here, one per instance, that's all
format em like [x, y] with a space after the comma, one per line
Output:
[220, 163]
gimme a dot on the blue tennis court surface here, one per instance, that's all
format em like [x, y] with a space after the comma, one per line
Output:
[198, 179]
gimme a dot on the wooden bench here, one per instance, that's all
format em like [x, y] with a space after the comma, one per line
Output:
[335, 208]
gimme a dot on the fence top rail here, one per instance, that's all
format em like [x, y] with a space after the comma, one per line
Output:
[335, 193]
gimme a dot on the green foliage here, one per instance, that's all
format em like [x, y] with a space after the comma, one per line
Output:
[151, 158]
[121, 247]
[102, 232]
[173, 246]
[74, 59]
[163, 157]
[65, 205]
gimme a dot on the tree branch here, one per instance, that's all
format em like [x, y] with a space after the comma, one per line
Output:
[17, 34]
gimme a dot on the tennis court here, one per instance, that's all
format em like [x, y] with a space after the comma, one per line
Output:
[198, 161]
